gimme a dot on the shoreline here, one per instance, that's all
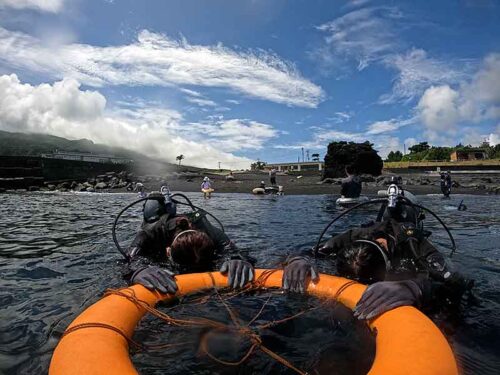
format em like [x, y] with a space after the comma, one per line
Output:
[307, 184]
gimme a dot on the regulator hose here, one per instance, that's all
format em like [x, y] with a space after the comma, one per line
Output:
[113, 229]
[189, 204]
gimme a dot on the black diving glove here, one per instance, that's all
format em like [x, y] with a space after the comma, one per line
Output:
[156, 279]
[240, 272]
[296, 274]
[387, 295]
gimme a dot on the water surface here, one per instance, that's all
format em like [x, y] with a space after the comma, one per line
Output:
[57, 257]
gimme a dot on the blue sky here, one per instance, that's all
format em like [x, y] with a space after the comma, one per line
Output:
[236, 81]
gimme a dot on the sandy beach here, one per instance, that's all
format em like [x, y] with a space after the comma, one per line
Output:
[311, 184]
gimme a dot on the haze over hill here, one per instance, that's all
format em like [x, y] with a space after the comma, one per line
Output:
[34, 144]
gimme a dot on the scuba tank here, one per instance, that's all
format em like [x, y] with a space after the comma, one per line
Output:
[159, 204]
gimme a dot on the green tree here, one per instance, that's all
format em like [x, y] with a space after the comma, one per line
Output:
[438, 153]
[258, 165]
[394, 156]
[179, 158]
[361, 156]
[422, 146]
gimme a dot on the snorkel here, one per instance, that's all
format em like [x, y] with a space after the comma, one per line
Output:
[395, 200]
[168, 204]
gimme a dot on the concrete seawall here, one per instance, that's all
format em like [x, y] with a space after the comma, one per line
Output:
[22, 172]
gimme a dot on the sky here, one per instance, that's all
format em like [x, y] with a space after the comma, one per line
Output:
[239, 81]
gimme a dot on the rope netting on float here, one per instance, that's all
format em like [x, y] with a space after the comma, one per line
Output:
[248, 330]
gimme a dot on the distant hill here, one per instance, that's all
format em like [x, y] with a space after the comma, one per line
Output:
[35, 144]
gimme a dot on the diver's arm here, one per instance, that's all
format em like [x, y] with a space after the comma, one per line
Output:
[229, 260]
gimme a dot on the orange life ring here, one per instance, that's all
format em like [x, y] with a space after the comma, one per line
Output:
[407, 342]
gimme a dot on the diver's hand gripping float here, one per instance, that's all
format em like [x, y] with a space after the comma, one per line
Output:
[240, 272]
[296, 274]
[156, 279]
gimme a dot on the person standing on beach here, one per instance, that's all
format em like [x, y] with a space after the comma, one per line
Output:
[272, 177]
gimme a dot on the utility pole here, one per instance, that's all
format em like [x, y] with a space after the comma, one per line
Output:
[307, 155]
[302, 148]
[404, 148]
[219, 166]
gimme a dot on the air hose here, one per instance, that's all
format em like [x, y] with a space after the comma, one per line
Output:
[405, 201]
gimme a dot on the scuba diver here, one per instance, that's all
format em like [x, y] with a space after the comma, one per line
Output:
[351, 185]
[446, 184]
[394, 256]
[169, 243]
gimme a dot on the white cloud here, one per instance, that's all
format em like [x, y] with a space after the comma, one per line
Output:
[233, 134]
[417, 71]
[387, 126]
[494, 138]
[52, 6]
[157, 60]
[340, 117]
[443, 108]
[439, 108]
[63, 109]
[365, 35]
[409, 142]
[192, 93]
[322, 137]
[201, 102]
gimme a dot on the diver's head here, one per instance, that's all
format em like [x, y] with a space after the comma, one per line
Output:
[191, 248]
[396, 180]
[364, 261]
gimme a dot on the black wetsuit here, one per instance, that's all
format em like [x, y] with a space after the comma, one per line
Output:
[446, 184]
[150, 243]
[412, 257]
[351, 187]
[272, 177]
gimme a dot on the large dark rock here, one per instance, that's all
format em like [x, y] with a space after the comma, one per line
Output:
[361, 156]
[64, 185]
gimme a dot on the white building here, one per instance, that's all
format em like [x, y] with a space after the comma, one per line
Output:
[91, 158]
[296, 167]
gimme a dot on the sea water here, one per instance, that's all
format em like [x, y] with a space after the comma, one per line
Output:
[57, 257]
